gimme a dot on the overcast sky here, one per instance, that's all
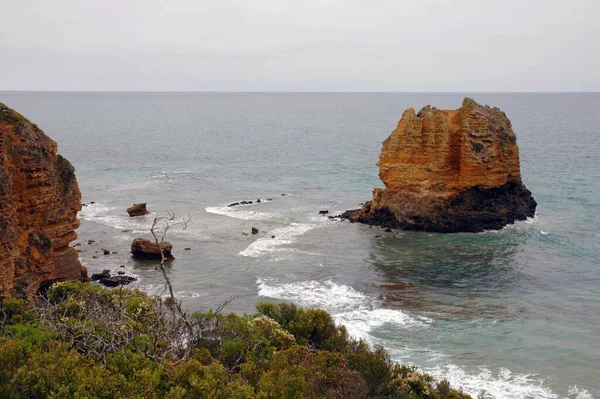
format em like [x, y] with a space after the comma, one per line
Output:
[304, 45]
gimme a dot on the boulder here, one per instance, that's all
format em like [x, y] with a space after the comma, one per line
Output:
[449, 171]
[142, 248]
[138, 210]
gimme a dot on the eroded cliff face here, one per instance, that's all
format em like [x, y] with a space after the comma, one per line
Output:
[39, 201]
[449, 171]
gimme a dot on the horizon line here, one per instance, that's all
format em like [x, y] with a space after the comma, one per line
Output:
[297, 92]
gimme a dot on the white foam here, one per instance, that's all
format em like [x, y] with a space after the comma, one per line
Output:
[162, 291]
[102, 214]
[577, 393]
[501, 385]
[360, 313]
[283, 235]
[235, 212]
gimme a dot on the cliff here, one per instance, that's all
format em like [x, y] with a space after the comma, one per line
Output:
[39, 201]
[449, 171]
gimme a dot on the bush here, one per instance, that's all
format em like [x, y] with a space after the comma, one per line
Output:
[88, 341]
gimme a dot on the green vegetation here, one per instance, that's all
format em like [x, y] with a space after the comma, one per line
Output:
[66, 172]
[39, 240]
[476, 146]
[90, 342]
[10, 115]
[469, 102]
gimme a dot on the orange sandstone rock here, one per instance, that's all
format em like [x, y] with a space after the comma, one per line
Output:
[449, 171]
[39, 201]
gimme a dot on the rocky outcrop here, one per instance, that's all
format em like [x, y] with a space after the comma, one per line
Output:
[39, 201]
[137, 210]
[449, 171]
[142, 248]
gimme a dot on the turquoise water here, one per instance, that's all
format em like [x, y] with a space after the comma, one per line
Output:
[513, 312]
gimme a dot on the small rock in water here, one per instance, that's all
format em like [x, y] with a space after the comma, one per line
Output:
[254, 230]
[258, 200]
[138, 210]
[122, 266]
[106, 251]
[325, 212]
[234, 204]
[283, 195]
[94, 257]
[91, 241]
[378, 236]
[388, 230]
[92, 202]
[125, 231]
[187, 249]
[272, 236]
[77, 244]
[121, 272]
[269, 199]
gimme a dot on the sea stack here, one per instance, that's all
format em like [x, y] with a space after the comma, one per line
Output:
[449, 171]
[39, 201]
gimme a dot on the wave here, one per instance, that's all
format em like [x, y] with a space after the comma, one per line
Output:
[236, 212]
[162, 291]
[363, 315]
[275, 239]
[101, 214]
[504, 384]
[360, 313]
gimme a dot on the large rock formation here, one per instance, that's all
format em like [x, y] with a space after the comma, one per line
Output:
[39, 201]
[449, 171]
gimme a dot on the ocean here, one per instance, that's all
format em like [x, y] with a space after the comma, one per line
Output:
[514, 313]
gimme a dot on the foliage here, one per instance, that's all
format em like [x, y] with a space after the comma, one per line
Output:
[88, 341]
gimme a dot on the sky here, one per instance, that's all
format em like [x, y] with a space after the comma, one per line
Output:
[304, 45]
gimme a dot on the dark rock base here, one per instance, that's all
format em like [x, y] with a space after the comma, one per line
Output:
[474, 210]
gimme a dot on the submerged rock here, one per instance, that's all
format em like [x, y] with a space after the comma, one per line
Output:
[39, 201]
[105, 278]
[138, 210]
[449, 171]
[142, 248]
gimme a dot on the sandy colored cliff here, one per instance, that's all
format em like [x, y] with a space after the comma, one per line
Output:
[39, 201]
[449, 171]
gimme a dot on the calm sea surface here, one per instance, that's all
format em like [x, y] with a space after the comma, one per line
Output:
[515, 312]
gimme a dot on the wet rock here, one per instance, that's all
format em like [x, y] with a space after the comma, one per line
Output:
[325, 212]
[105, 278]
[138, 210]
[258, 201]
[233, 204]
[254, 230]
[187, 249]
[142, 248]
[97, 276]
[106, 251]
[91, 241]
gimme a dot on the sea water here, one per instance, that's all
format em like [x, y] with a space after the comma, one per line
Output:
[513, 312]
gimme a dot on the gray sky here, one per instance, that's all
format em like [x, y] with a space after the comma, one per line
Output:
[300, 45]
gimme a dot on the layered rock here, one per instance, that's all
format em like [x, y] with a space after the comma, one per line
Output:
[449, 171]
[39, 201]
